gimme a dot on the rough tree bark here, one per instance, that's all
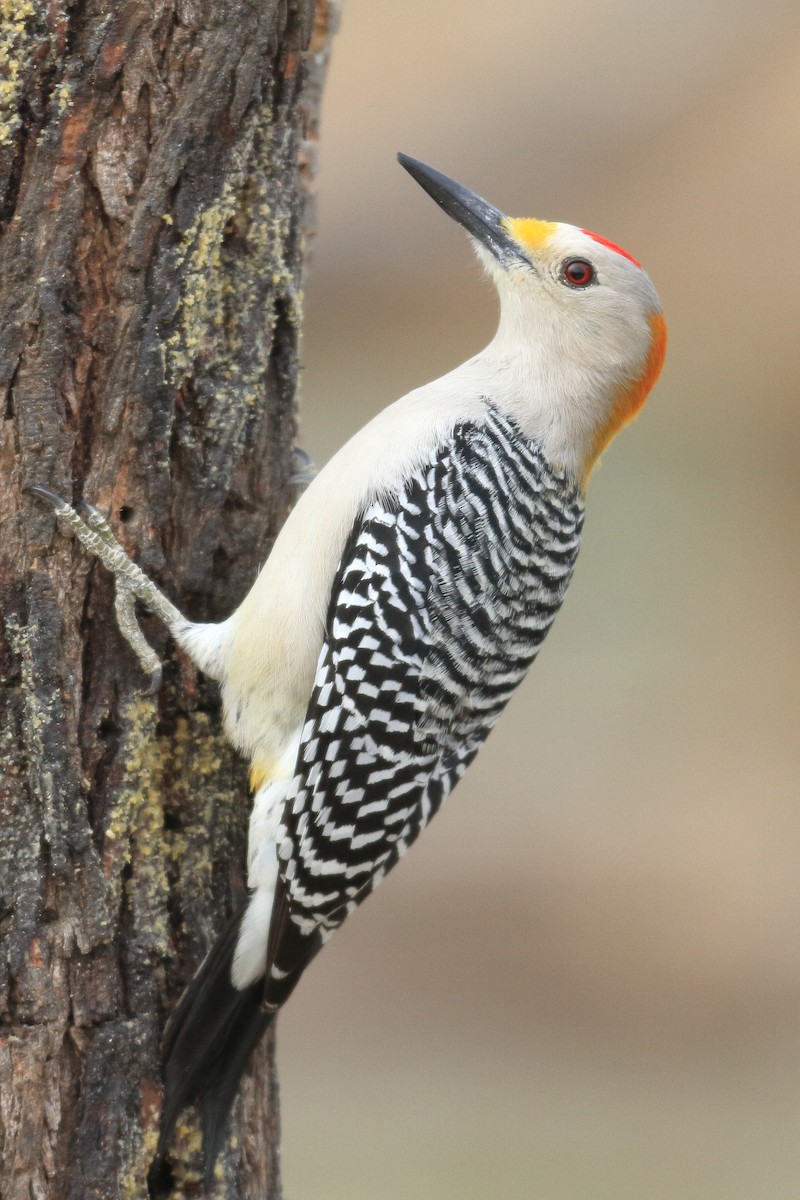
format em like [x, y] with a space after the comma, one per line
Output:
[154, 166]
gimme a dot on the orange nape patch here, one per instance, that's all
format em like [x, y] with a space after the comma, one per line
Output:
[530, 232]
[598, 237]
[630, 399]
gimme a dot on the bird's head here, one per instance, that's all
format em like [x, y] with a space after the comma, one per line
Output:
[581, 336]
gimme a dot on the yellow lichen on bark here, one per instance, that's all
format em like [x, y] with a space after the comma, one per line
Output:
[222, 286]
[19, 22]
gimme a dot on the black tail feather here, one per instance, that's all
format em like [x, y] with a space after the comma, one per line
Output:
[217, 1102]
[216, 1027]
[207, 1045]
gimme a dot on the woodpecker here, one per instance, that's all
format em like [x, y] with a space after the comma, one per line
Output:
[403, 602]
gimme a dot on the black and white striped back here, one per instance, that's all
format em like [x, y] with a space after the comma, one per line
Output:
[442, 599]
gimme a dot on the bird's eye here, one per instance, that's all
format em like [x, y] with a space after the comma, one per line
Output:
[577, 272]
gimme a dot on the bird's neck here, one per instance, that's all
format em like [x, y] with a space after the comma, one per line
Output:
[553, 399]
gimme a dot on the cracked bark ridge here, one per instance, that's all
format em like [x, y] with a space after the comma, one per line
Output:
[155, 162]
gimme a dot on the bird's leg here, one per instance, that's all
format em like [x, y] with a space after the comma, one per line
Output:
[94, 532]
[124, 599]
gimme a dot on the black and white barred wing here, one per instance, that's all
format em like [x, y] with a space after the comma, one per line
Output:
[442, 599]
[365, 774]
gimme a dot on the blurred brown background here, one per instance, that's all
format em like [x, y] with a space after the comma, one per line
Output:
[583, 982]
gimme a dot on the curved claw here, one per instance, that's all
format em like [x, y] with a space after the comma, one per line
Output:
[95, 520]
[155, 682]
[88, 510]
[52, 498]
[305, 471]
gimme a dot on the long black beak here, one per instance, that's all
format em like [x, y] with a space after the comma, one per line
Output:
[485, 222]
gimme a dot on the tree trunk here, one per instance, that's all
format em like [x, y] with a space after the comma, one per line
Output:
[154, 163]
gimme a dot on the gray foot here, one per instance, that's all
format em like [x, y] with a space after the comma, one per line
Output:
[94, 532]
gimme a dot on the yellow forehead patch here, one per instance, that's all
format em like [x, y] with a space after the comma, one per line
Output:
[530, 232]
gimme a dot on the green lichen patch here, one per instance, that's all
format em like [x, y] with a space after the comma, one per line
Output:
[187, 769]
[21, 29]
[62, 96]
[134, 828]
[239, 270]
[200, 798]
